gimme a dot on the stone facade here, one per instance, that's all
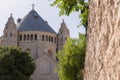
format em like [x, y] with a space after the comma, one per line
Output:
[43, 45]
[10, 33]
[103, 41]
[63, 34]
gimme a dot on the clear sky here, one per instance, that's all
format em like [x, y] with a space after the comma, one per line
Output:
[21, 8]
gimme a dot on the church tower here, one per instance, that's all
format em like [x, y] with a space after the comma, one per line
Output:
[10, 33]
[63, 34]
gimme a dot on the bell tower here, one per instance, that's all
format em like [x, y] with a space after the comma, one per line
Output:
[63, 34]
[10, 32]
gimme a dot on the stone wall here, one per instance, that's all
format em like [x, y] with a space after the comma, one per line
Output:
[103, 41]
[37, 47]
[44, 52]
[45, 69]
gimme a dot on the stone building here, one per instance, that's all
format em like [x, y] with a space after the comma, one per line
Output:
[33, 34]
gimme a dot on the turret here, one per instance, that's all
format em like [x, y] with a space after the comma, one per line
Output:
[63, 34]
[10, 33]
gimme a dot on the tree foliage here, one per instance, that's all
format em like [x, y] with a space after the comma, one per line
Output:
[71, 59]
[15, 64]
[69, 6]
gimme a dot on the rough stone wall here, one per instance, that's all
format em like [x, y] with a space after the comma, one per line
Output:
[103, 41]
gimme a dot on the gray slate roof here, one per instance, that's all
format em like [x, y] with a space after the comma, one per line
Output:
[33, 22]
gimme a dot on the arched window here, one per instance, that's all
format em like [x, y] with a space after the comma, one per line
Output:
[46, 38]
[24, 37]
[20, 37]
[31, 37]
[42, 37]
[49, 38]
[28, 37]
[35, 36]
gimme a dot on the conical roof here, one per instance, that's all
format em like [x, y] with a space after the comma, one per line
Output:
[33, 22]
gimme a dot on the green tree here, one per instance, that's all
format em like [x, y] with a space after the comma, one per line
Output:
[68, 6]
[15, 64]
[71, 59]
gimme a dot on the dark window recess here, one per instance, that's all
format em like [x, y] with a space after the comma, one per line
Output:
[42, 37]
[46, 38]
[24, 37]
[35, 36]
[10, 34]
[31, 37]
[20, 37]
[28, 37]
[49, 38]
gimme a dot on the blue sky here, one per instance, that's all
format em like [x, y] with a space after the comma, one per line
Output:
[20, 8]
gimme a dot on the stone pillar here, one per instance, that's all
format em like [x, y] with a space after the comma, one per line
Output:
[103, 41]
